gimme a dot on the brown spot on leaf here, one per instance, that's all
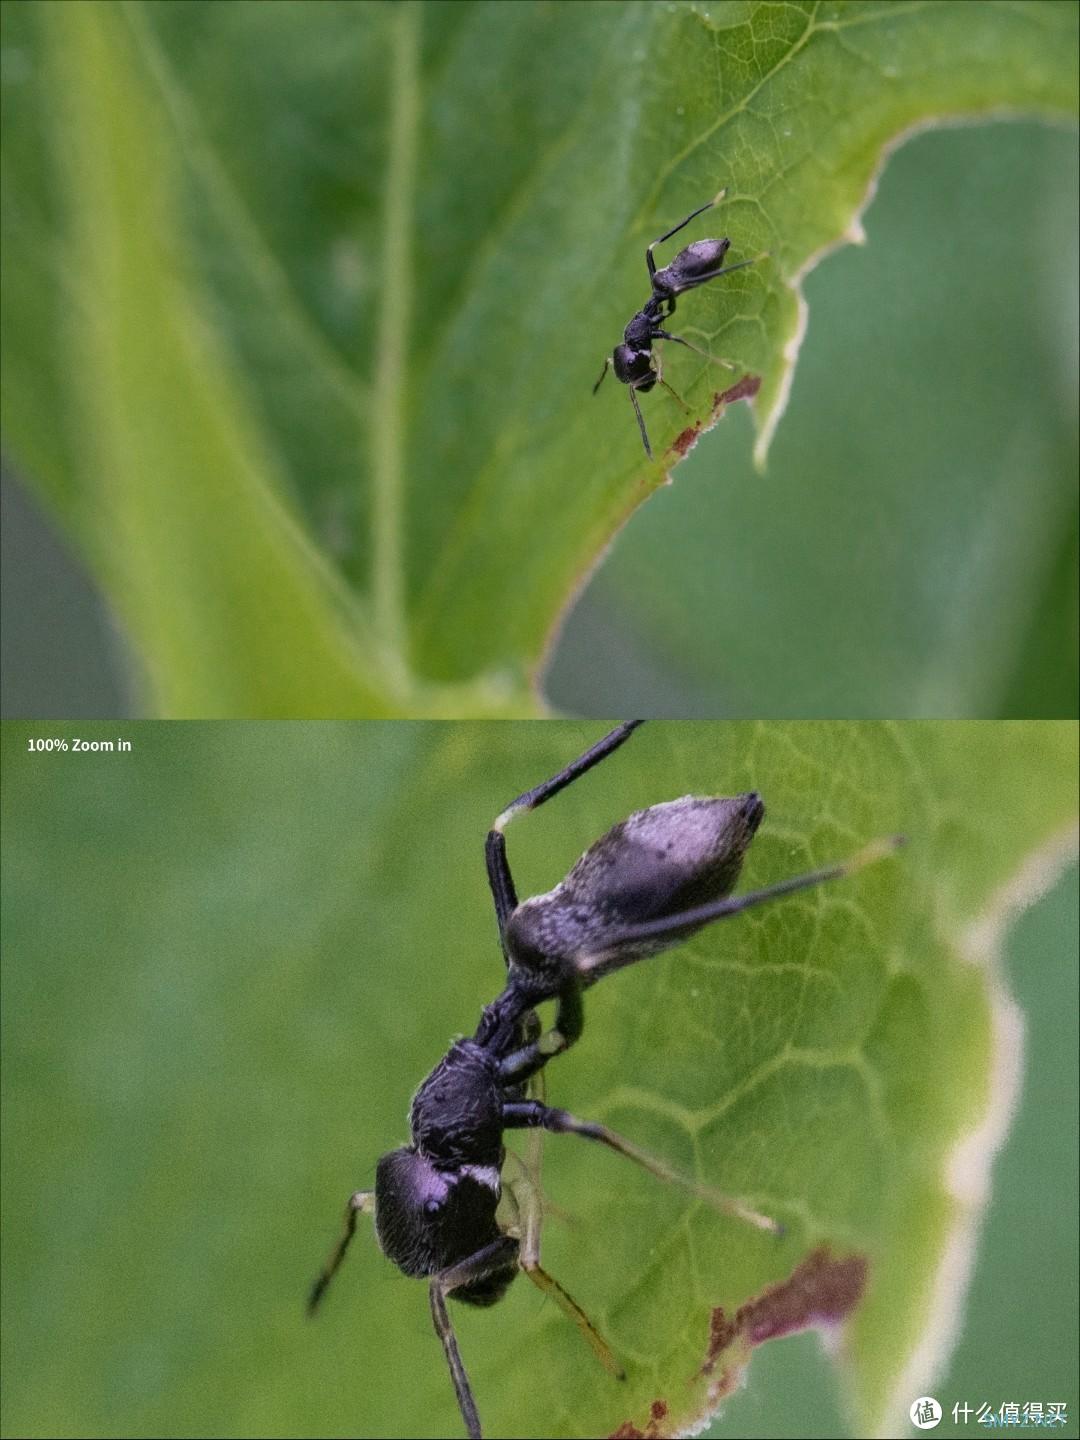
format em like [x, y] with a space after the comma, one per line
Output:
[722, 1332]
[658, 1412]
[684, 442]
[744, 389]
[821, 1290]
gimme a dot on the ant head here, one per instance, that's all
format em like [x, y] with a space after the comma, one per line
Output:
[659, 862]
[427, 1218]
[634, 366]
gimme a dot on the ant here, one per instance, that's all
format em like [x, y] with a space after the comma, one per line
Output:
[633, 361]
[652, 881]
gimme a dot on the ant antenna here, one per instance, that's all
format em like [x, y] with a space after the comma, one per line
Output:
[672, 391]
[641, 423]
[363, 1200]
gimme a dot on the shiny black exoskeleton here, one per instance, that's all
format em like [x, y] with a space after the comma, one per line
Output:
[653, 880]
[634, 361]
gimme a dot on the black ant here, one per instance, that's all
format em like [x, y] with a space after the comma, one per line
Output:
[653, 880]
[633, 361]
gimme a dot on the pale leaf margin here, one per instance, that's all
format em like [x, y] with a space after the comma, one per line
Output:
[767, 417]
[966, 1177]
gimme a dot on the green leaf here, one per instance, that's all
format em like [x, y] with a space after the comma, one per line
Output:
[298, 347]
[232, 953]
[912, 549]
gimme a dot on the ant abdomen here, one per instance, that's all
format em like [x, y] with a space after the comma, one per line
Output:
[661, 861]
[701, 258]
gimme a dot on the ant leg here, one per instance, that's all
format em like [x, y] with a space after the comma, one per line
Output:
[501, 882]
[658, 371]
[532, 799]
[498, 869]
[561, 1122]
[667, 335]
[462, 1389]
[524, 1063]
[682, 223]
[641, 424]
[529, 1032]
[676, 394]
[633, 942]
[495, 1256]
[530, 1208]
[724, 270]
[363, 1200]
[603, 372]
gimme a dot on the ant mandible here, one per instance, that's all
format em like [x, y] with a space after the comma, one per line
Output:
[652, 881]
[633, 361]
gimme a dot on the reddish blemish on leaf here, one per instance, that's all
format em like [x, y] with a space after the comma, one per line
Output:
[658, 1412]
[684, 441]
[722, 1332]
[821, 1291]
[744, 389]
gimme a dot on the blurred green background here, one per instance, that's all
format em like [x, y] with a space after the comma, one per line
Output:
[912, 548]
[214, 998]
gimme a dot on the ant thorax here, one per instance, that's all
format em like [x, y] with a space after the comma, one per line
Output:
[638, 335]
[456, 1115]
